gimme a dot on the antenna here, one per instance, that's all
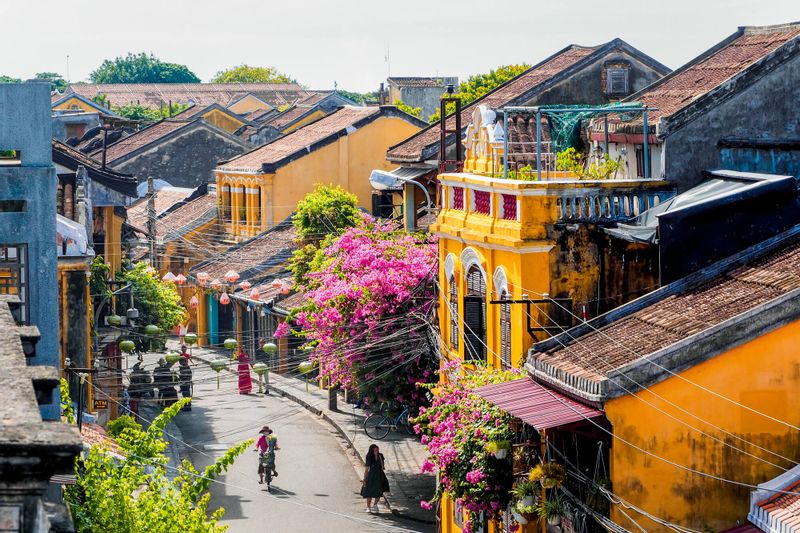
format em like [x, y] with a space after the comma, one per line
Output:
[67, 68]
[388, 61]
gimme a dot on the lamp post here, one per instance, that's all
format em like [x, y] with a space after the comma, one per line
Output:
[382, 181]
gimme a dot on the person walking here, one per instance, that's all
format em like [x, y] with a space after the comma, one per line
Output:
[185, 377]
[245, 381]
[140, 382]
[266, 445]
[163, 380]
[375, 482]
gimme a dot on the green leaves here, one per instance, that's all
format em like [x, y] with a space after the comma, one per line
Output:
[404, 107]
[247, 74]
[141, 68]
[158, 302]
[66, 403]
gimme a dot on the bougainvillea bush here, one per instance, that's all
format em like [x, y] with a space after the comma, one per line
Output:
[457, 429]
[370, 302]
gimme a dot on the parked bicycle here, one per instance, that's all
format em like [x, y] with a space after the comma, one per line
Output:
[378, 425]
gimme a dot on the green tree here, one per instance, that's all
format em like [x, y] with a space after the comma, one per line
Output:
[158, 301]
[247, 74]
[141, 68]
[478, 85]
[133, 494]
[327, 211]
[9, 79]
[359, 98]
[57, 81]
[147, 114]
[413, 111]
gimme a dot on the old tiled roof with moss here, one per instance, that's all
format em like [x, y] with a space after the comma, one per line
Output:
[301, 140]
[142, 138]
[164, 199]
[188, 215]
[415, 81]
[71, 158]
[681, 314]
[411, 150]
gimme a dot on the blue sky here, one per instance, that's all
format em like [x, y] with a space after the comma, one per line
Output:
[320, 42]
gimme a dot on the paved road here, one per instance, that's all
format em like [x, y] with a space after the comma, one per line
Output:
[317, 489]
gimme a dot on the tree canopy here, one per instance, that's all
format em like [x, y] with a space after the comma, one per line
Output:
[142, 68]
[158, 301]
[57, 81]
[359, 98]
[247, 74]
[478, 85]
[9, 79]
[146, 114]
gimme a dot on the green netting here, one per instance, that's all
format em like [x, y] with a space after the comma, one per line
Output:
[565, 126]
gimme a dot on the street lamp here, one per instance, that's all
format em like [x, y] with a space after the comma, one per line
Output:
[383, 181]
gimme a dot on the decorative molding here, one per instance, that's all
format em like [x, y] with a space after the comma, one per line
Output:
[470, 257]
[488, 246]
[500, 281]
[449, 266]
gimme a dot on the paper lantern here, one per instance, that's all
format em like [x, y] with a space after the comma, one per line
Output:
[254, 294]
[202, 278]
[194, 302]
[172, 357]
[245, 285]
[284, 289]
[215, 283]
[180, 279]
[230, 344]
[169, 276]
[224, 299]
[305, 367]
[269, 347]
[151, 329]
[260, 368]
[231, 276]
[114, 320]
[217, 365]
[127, 346]
[277, 284]
[190, 338]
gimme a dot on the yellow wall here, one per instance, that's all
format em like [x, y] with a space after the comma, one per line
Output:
[113, 244]
[306, 120]
[248, 104]
[764, 375]
[223, 121]
[347, 162]
[70, 103]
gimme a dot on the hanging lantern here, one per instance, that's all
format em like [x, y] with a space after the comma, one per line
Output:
[194, 302]
[276, 284]
[254, 294]
[127, 346]
[114, 320]
[224, 299]
[172, 357]
[230, 344]
[217, 365]
[202, 278]
[269, 347]
[305, 367]
[284, 288]
[215, 283]
[169, 276]
[151, 329]
[190, 339]
[245, 285]
[231, 276]
[180, 279]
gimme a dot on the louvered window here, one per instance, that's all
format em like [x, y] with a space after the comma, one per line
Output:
[617, 81]
[505, 332]
[475, 316]
[453, 304]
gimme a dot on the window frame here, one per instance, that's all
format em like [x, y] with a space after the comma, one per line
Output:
[22, 285]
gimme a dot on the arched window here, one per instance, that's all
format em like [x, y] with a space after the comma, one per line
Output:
[475, 315]
[453, 306]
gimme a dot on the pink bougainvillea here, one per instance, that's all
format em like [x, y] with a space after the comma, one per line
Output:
[370, 304]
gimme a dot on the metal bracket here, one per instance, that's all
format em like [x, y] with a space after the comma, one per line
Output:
[528, 303]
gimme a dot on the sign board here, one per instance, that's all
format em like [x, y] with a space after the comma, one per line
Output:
[100, 404]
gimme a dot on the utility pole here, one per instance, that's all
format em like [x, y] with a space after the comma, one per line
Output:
[151, 219]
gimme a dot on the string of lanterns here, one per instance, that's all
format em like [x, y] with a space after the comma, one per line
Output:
[230, 277]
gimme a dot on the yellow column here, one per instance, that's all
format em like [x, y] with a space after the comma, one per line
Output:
[264, 221]
[235, 208]
[250, 198]
[202, 319]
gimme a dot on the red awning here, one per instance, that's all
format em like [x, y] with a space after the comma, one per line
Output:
[535, 404]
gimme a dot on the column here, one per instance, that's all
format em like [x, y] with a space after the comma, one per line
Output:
[264, 219]
[235, 188]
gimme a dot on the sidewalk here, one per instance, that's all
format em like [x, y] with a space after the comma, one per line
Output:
[404, 454]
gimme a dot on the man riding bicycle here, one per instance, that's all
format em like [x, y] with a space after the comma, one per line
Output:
[266, 445]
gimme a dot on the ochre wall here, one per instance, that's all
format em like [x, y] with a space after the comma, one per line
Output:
[248, 104]
[223, 121]
[68, 105]
[306, 120]
[764, 375]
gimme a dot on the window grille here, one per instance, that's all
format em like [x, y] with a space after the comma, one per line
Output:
[453, 304]
[505, 332]
[617, 81]
[475, 316]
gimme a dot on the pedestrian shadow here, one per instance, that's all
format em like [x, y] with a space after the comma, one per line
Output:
[279, 492]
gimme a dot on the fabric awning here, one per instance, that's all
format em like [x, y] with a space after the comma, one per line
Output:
[535, 404]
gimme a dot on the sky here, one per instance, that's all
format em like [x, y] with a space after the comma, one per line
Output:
[322, 42]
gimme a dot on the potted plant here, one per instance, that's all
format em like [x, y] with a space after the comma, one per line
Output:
[524, 492]
[524, 513]
[499, 448]
[552, 509]
[549, 474]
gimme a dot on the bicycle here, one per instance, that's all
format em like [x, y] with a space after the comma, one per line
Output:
[378, 425]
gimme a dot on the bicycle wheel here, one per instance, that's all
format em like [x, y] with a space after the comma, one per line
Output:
[377, 426]
[407, 424]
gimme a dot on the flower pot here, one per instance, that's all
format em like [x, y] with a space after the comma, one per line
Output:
[527, 501]
[554, 520]
[550, 483]
[501, 454]
[519, 518]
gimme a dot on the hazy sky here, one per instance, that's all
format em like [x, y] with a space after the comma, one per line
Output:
[322, 41]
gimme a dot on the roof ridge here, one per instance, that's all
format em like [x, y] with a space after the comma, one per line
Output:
[772, 28]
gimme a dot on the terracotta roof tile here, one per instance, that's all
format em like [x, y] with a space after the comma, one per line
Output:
[188, 216]
[413, 81]
[95, 435]
[784, 509]
[154, 95]
[291, 302]
[165, 198]
[412, 149]
[290, 115]
[679, 316]
[300, 139]
[142, 138]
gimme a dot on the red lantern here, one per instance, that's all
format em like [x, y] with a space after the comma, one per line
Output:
[169, 276]
[254, 294]
[224, 299]
[277, 284]
[231, 276]
[202, 278]
[245, 285]
[215, 283]
[180, 279]
[194, 302]
[284, 288]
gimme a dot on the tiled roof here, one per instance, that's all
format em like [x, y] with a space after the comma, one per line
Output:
[291, 115]
[255, 257]
[291, 302]
[713, 68]
[71, 158]
[165, 198]
[154, 95]
[784, 509]
[192, 214]
[314, 98]
[412, 149]
[412, 81]
[245, 132]
[673, 318]
[301, 139]
[95, 435]
[143, 137]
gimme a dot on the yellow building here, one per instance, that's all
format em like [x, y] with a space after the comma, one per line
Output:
[262, 187]
[698, 381]
[221, 117]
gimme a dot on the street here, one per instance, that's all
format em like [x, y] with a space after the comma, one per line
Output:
[317, 488]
